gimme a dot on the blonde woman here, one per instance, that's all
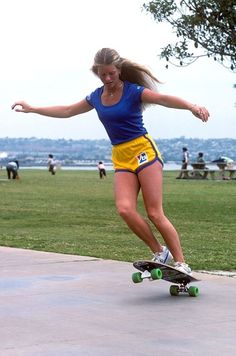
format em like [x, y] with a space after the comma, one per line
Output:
[127, 88]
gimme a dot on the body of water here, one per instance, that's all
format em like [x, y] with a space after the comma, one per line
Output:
[167, 167]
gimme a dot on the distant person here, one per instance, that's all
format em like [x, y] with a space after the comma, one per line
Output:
[200, 158]
[102, 170]
[12, 168]
[202, 165]
[185, 162]
[224, 162]
[127, 88]
[52, 167]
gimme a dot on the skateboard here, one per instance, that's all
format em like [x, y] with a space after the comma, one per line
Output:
[155, 270]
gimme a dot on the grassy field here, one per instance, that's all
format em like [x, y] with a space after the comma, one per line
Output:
[73, 212]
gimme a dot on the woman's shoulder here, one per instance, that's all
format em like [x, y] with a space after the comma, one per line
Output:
[94, 96]
[96, 91]
[133, 88]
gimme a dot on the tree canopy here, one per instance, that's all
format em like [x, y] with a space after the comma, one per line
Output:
[203, 28]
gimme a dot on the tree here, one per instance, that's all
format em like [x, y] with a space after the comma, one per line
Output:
[204, 28]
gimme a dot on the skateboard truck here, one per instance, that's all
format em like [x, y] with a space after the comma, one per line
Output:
[182, 288]
[155, 271]
[146, 274]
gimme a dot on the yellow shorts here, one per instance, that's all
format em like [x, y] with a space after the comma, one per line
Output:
[135, 155]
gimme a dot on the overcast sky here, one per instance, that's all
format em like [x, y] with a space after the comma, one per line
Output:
[47, 49]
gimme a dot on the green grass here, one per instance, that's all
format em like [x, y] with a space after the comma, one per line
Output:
[74, 213]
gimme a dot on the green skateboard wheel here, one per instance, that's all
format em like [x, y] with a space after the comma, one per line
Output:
[137, 277]
[193, 291]
[156, 273]
[174, 290]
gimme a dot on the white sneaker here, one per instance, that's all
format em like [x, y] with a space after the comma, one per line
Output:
[183, 267]
[164, 256]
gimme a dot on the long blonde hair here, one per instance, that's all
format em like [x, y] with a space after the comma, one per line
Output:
[130, 71]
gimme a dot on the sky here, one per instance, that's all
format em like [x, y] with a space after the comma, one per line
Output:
[47, 50]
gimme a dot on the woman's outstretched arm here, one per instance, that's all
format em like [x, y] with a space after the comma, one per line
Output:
[61, 111]
[151, 97]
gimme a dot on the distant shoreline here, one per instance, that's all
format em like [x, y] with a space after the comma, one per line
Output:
[167, 167]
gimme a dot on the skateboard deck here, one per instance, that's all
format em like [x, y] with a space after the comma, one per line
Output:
[155, 270]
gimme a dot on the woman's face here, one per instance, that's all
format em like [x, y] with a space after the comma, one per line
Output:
[109, 75]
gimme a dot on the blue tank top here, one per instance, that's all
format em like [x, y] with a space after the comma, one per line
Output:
[123, 121]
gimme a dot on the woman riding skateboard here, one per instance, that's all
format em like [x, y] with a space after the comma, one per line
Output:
[127, 88]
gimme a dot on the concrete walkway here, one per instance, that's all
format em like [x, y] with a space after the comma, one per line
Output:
[64, 305]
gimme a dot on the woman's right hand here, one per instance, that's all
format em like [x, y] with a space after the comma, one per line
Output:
[21, 106]
[59, 111]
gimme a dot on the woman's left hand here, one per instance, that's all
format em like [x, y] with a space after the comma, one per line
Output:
[200, 112]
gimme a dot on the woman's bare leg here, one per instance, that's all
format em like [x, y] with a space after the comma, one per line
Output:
[126, 187]
[150, 179]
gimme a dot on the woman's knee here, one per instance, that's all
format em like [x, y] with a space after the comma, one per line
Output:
[156, 217]
[124, 210]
